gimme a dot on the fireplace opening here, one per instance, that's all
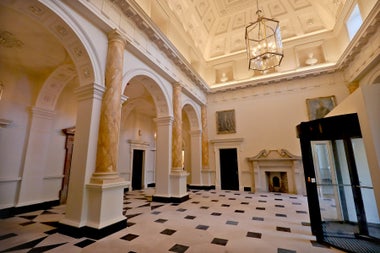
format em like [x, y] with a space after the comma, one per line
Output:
[277, 181]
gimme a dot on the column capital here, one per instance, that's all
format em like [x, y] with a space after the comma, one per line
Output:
[196, 132]
[89, 91]
[164, 120]
[115, 36]
[177, 84]
[124, 98]
[42, 113]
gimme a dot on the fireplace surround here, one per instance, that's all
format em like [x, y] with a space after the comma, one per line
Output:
[277, 171]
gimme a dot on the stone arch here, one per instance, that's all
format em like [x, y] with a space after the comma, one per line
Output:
[192, 144]
[190, 108]
[52, 16]
[155, 86]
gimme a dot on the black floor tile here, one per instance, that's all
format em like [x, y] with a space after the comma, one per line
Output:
[225, 205]
[280, 215]
[260, 208]
[239, 211]
[129, 237]
[258, 218]
[204, 207]
[280, 206]
[190, 217]
[6, 236]
[280, 250]
[84, 243]
[202, 227]
[301, 212]
[178, 248]
[27, 245]
[304, 223]
[230, 222]
[219, 241]
[181, 210]
[244, 203]
[45, 248]
[319, 245]
[254, 235]
[216, 214]
[161, 220]
[283, 229]
[168, 231]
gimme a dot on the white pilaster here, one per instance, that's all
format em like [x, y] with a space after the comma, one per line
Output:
[163, 156]
[31, 184]
[84, 153]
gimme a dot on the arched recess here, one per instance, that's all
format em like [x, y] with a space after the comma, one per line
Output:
[54, 105]
[147, 100]
[192, 141]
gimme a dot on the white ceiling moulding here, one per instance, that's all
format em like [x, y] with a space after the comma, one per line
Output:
[134, 11]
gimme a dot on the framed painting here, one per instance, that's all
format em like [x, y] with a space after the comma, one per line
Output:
[225, 122]
[318, 107]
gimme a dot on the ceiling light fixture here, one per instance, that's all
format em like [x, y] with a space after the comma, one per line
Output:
[263, 42]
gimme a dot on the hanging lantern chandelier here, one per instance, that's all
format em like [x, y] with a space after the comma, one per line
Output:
[263, 42]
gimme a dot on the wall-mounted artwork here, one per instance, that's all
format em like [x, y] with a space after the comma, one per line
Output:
[225, 122]
[318, 107]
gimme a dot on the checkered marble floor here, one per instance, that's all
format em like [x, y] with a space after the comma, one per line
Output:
[210, 221]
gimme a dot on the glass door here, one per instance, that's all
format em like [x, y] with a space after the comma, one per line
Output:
[344, 189]
[334, 188]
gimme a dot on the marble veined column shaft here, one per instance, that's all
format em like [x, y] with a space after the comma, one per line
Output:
[177, 129]
[109, 126]
[205, 156]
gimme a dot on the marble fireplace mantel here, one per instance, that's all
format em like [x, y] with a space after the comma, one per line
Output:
[271, 163]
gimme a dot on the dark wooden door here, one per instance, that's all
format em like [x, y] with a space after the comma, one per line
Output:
[69, 145]
[229, 176]
[137, 169]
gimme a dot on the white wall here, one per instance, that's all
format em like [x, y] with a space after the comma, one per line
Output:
[366, 103]
[267, 116]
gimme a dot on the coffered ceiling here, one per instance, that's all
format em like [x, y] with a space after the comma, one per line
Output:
[217, 26]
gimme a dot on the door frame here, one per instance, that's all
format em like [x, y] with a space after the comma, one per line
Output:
[330, 128]
[228, 144]
[142, 168]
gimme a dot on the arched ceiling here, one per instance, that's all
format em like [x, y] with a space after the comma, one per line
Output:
[217, 26]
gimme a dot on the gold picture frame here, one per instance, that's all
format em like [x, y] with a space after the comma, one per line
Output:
[225, 122]
[318, 107]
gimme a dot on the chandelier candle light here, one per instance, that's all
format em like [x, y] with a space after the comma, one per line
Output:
[263, 41]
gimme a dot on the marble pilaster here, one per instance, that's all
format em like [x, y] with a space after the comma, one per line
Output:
[208, 175]
[177, 129]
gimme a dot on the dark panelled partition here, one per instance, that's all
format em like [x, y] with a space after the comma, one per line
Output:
[335, 193]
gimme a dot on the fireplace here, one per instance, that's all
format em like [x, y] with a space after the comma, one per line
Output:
[277, 171]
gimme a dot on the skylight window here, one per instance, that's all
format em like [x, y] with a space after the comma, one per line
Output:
[354, 22]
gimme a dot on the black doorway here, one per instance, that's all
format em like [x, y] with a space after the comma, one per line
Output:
[137, 169]
[229, 177]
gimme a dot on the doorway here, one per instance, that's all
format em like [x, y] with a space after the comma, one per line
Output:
[69, 146]
[137, 169]
[229, 176]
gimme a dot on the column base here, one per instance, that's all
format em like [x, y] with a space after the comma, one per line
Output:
[178, 183]
[105, 203]
[208, 177]
[89, 232]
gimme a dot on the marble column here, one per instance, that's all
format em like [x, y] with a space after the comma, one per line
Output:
[178, 182]
[205, 155]
[352, 86]
[208, 176]
[177, 129]
[106, 187]
[110, 115]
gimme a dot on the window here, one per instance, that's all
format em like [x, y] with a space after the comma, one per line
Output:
[354, 22]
